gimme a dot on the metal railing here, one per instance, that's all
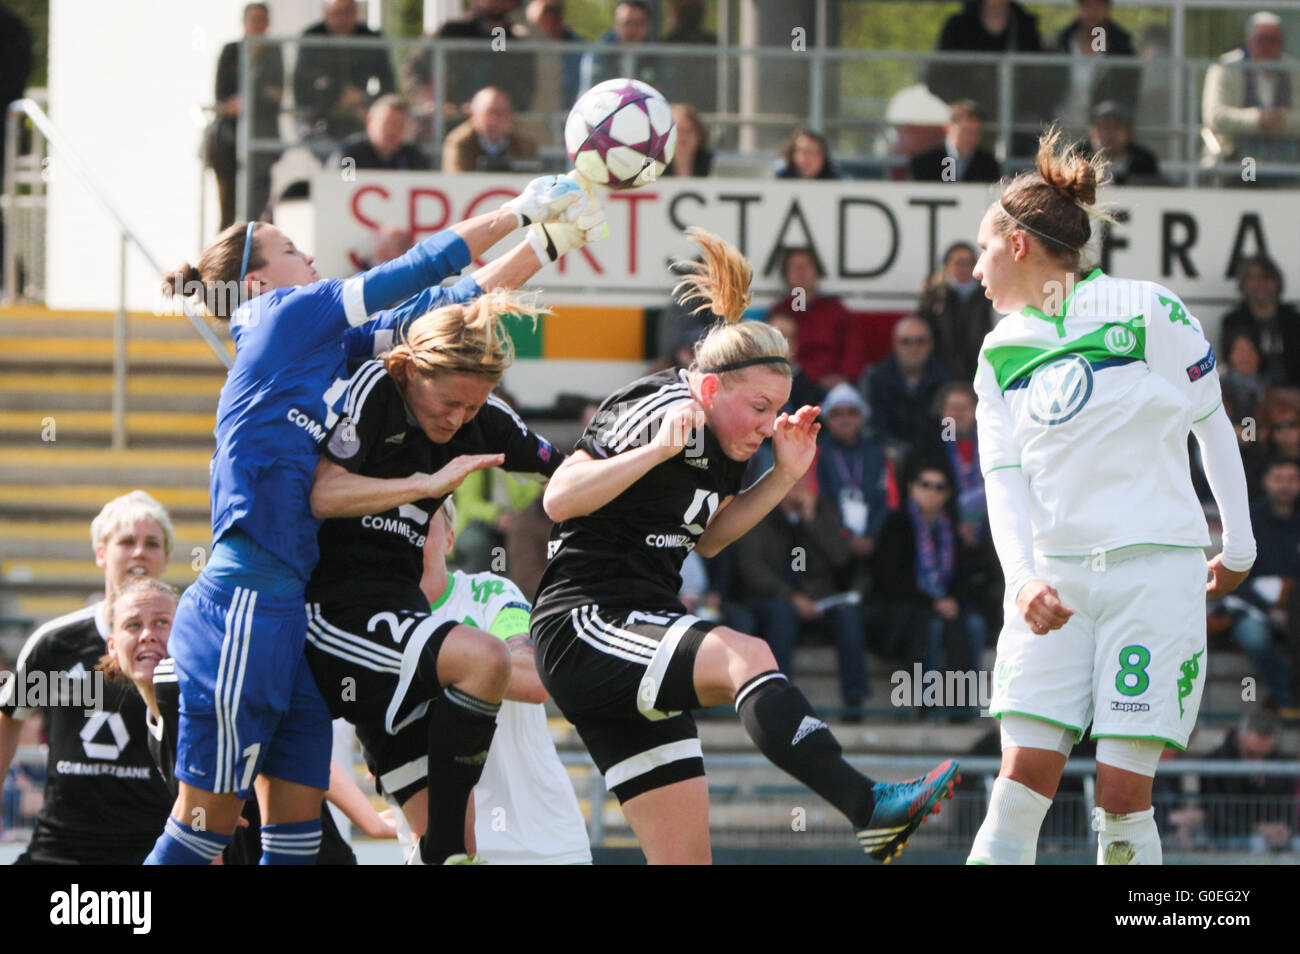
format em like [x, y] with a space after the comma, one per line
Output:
[760, 94]
[754, 811]
[68, 158]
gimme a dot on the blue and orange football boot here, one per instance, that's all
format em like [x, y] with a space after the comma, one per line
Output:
[901, 807]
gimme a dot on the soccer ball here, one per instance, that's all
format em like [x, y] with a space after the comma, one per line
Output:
[621, 134]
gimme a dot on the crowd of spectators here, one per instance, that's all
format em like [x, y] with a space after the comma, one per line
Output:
[492, 108]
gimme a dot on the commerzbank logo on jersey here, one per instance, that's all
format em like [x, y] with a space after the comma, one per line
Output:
[1059, 389]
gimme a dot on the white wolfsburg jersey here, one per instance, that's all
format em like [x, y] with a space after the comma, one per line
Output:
[525, 808]
[1096, 407]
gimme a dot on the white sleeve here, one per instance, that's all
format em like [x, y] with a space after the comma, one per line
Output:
[1223, 469]
[1177, 350]
[1007, 493]
[1005, 484]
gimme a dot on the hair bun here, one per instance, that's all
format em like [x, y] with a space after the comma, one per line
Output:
[181, 281]
[1068, 173]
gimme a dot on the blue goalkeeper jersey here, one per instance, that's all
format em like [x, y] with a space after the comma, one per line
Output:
[292, 347]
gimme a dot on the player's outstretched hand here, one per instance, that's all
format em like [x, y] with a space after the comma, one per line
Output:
[794, 441]
[546, 199]
[1041, 606]
[1223, 581]
[588, 214]
[680, 422]
[554, 239]
[448, 478]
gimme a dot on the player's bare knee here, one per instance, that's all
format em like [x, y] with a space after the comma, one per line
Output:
[749, 655]
[490, 673]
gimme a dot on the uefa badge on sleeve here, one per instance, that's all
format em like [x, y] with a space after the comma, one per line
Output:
[1202, 367]
[344, 442]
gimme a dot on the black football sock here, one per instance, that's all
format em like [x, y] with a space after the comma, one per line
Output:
[785, 728]
[460, 733]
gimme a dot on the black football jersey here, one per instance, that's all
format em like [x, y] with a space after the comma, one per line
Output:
[362, 558]
[629, 553]
[105, 802]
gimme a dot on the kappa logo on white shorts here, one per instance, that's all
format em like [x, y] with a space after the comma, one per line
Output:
[807, 727]
[1059, 389]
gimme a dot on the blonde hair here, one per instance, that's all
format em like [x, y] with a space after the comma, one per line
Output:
[108, 663]
[126, 509]
[1058, 200]
[468, 338]
[721, 283]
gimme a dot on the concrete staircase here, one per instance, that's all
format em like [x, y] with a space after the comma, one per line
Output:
[56, 465]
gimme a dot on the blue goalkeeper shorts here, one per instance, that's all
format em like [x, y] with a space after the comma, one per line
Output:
[248, 702]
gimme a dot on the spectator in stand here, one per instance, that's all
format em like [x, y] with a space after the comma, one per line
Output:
[852, 469]
[831, 338]
[807, 155]
[1090, 79]
[1270, 322]
[487, 141]
[992, 26]
[546, 18]
[468, 71]
[791, 569]
[921, 582]
[382, 144]
[1250, 106]
[960, 158]
[1258, 607]
[1250, 812]
[954, 441]
[267, 82]
[693, 79]
[631, 28]
[1111, 136]
[803, 392]
[387, 243]
[915, 121]
[1242, 379]
[333, 83]
[692, 157]
[1274, 434]
[953, 305]
[487, 502]
[901, 389]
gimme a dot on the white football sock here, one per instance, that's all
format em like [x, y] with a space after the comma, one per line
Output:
[1129, 839]
[1009, 835]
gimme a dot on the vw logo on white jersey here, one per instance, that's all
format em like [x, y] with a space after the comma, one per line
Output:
[1059, 389]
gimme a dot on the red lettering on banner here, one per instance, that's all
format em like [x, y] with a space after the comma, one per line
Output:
[632, 198]
[418, 229]
[356, 204]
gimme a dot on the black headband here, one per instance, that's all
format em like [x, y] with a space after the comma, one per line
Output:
[737, 365]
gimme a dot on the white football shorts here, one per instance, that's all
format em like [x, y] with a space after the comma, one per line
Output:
[1132, 657]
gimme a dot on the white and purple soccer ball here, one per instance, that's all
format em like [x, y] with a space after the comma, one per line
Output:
[621, 134]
